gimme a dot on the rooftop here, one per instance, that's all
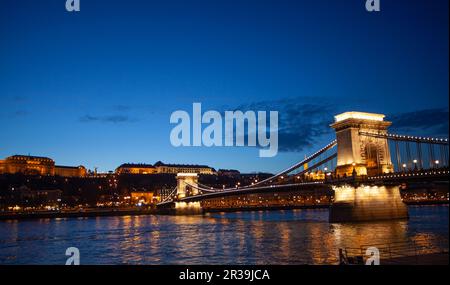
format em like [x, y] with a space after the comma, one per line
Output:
[160, 163]
[69, 167]
[136, 165]
[359, 115]
[29, 157]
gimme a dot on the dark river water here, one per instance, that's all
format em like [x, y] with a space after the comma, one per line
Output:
[260, 237]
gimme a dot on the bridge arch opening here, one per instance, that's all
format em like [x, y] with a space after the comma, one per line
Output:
[372, 158]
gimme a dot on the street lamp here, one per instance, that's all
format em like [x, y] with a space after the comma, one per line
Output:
[354, 173]
[404, 167]
[415, 164]
[437, 163]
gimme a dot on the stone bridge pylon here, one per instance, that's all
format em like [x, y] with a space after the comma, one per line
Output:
[187, 184]
[359, 153]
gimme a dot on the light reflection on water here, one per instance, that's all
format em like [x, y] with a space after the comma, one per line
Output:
[260, 237]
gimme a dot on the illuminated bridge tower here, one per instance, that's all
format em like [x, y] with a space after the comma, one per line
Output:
[357, 151]
[362, 153]
[187, 184]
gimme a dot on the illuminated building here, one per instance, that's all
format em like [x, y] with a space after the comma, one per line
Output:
[316, 175]
[136, 168]
[163, 168]
[70, 171]
[30, 165]
[142, 197]
[43, 196]
[183, 168]
[37, 165]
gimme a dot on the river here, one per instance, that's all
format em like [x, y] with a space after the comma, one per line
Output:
[259, 237]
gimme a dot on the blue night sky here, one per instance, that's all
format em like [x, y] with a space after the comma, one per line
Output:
[98, 87]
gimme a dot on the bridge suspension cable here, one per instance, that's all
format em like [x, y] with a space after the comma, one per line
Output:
[244, 190]
[322, 162]
[435, 150]
[174, 191]
[443, 141]
[204, 188]
[301, 163]
[284, 172]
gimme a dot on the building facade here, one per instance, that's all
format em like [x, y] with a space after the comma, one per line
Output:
[142, 198]
[70, 171]
[38, 165]
[163, 168]
[29, 165]
[136, 168]
[183, 168]
[42, 196]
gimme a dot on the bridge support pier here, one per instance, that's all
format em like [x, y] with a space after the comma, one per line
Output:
[188, 208]
[367, 203]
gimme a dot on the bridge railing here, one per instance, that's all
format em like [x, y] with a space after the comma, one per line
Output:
[402, 252]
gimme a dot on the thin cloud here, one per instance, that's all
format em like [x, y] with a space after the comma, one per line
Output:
[300, 124]
[432, 122]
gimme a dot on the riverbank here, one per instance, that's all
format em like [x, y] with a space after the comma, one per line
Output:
[77, 214]
[135, 211]
[441, 258]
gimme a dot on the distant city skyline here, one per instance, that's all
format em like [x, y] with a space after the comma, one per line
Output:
[97, 87]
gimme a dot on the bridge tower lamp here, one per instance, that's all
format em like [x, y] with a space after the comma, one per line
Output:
[415, 164]
[436, 163]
